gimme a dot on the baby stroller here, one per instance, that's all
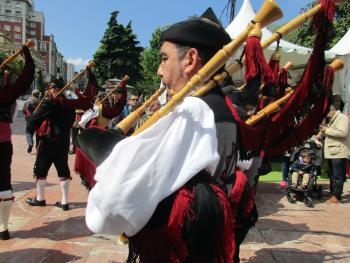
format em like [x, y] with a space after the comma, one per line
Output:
[305, 195]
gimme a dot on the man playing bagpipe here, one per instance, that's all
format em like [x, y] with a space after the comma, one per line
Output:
[8, 95]
[105, 108]
[166, 188]
[55, 117]
[55, 120]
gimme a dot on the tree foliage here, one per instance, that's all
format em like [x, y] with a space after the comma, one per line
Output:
[40, 82]
[150, 59]
[14, 67]
[118, 53]
[304, 35]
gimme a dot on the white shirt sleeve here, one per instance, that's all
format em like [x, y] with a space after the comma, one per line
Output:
[144, 169]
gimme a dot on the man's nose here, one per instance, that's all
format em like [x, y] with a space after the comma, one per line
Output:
[160, 72]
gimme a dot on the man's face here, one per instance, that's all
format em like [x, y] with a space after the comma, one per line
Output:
[116, 96]
[171, 68]
[133, 100]
[331, 112]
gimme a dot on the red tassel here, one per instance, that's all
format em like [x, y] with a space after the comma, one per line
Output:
[6, 78]
[85, 167]
[177, 217]
[237, 191]
[255, 61]
[250, 138]
[282, 82]
[327, 9]
[274, 65]
[306, 127]
[227, 246]
[166, 244]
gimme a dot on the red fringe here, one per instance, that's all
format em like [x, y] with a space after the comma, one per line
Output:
[85, 167]
[274, 65]
[282, 82]
[227, 246]
[250, 138]
[250, 202]
[255, 61]
[307, 126]
[237, 191]
[166, 244]
[327, 8]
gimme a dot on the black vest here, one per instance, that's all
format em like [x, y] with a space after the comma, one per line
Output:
[226, 132]
[7, 110]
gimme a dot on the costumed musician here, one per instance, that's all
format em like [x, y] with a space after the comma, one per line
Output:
[101, 114]
[163, 187]
[55, 120]
[8, 95]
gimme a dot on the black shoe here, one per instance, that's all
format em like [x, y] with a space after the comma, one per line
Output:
[64, 207]
[30, 147]
[5, 235]
[34, 202]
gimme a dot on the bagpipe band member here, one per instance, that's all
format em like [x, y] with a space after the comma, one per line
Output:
[166, 188]
[101, 114]
[55, 120]
[8, 95]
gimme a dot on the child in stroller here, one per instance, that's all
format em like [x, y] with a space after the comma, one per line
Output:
[302, 169]
[306, 162]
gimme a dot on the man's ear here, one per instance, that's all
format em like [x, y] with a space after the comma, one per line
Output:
[192, 62]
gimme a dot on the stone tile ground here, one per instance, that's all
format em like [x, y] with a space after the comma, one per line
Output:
[284, 233]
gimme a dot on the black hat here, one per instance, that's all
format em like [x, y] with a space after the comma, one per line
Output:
[205, 31]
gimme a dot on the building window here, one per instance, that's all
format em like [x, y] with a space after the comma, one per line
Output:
[33, 25]
[18, 13]
[7, 28]
[17, 28]
[17, 36]
[19, 20]
[8, 12]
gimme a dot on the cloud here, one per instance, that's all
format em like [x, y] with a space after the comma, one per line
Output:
[77, 62]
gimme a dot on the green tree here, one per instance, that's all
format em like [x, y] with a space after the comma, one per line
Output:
[118, 53]
[150, 59]
[14, 67]
[304, 35]
[40, 82]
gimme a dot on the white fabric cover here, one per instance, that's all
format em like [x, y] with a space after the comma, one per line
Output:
[89, 115]
[144, 169]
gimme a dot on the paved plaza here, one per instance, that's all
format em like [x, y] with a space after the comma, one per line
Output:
[284, 233]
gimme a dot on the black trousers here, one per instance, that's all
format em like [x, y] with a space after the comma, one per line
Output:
[337, 176]
[6, 152]
[52, 152]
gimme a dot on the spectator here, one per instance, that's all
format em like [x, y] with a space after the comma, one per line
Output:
[337, 151]
[28, 109]
[302, 169]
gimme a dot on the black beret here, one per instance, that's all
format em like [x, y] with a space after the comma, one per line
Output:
[204, 32]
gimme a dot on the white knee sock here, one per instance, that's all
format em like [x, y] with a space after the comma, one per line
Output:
[5, 209]
[65, 191]
[40, 188]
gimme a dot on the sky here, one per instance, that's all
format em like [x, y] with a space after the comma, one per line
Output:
[79, 25]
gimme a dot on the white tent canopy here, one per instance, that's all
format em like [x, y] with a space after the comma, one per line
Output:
[342, 79]
[290, 52]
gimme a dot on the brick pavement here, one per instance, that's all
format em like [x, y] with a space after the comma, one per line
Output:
[285, 232]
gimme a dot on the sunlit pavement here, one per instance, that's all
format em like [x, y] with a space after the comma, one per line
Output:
[284, 232]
